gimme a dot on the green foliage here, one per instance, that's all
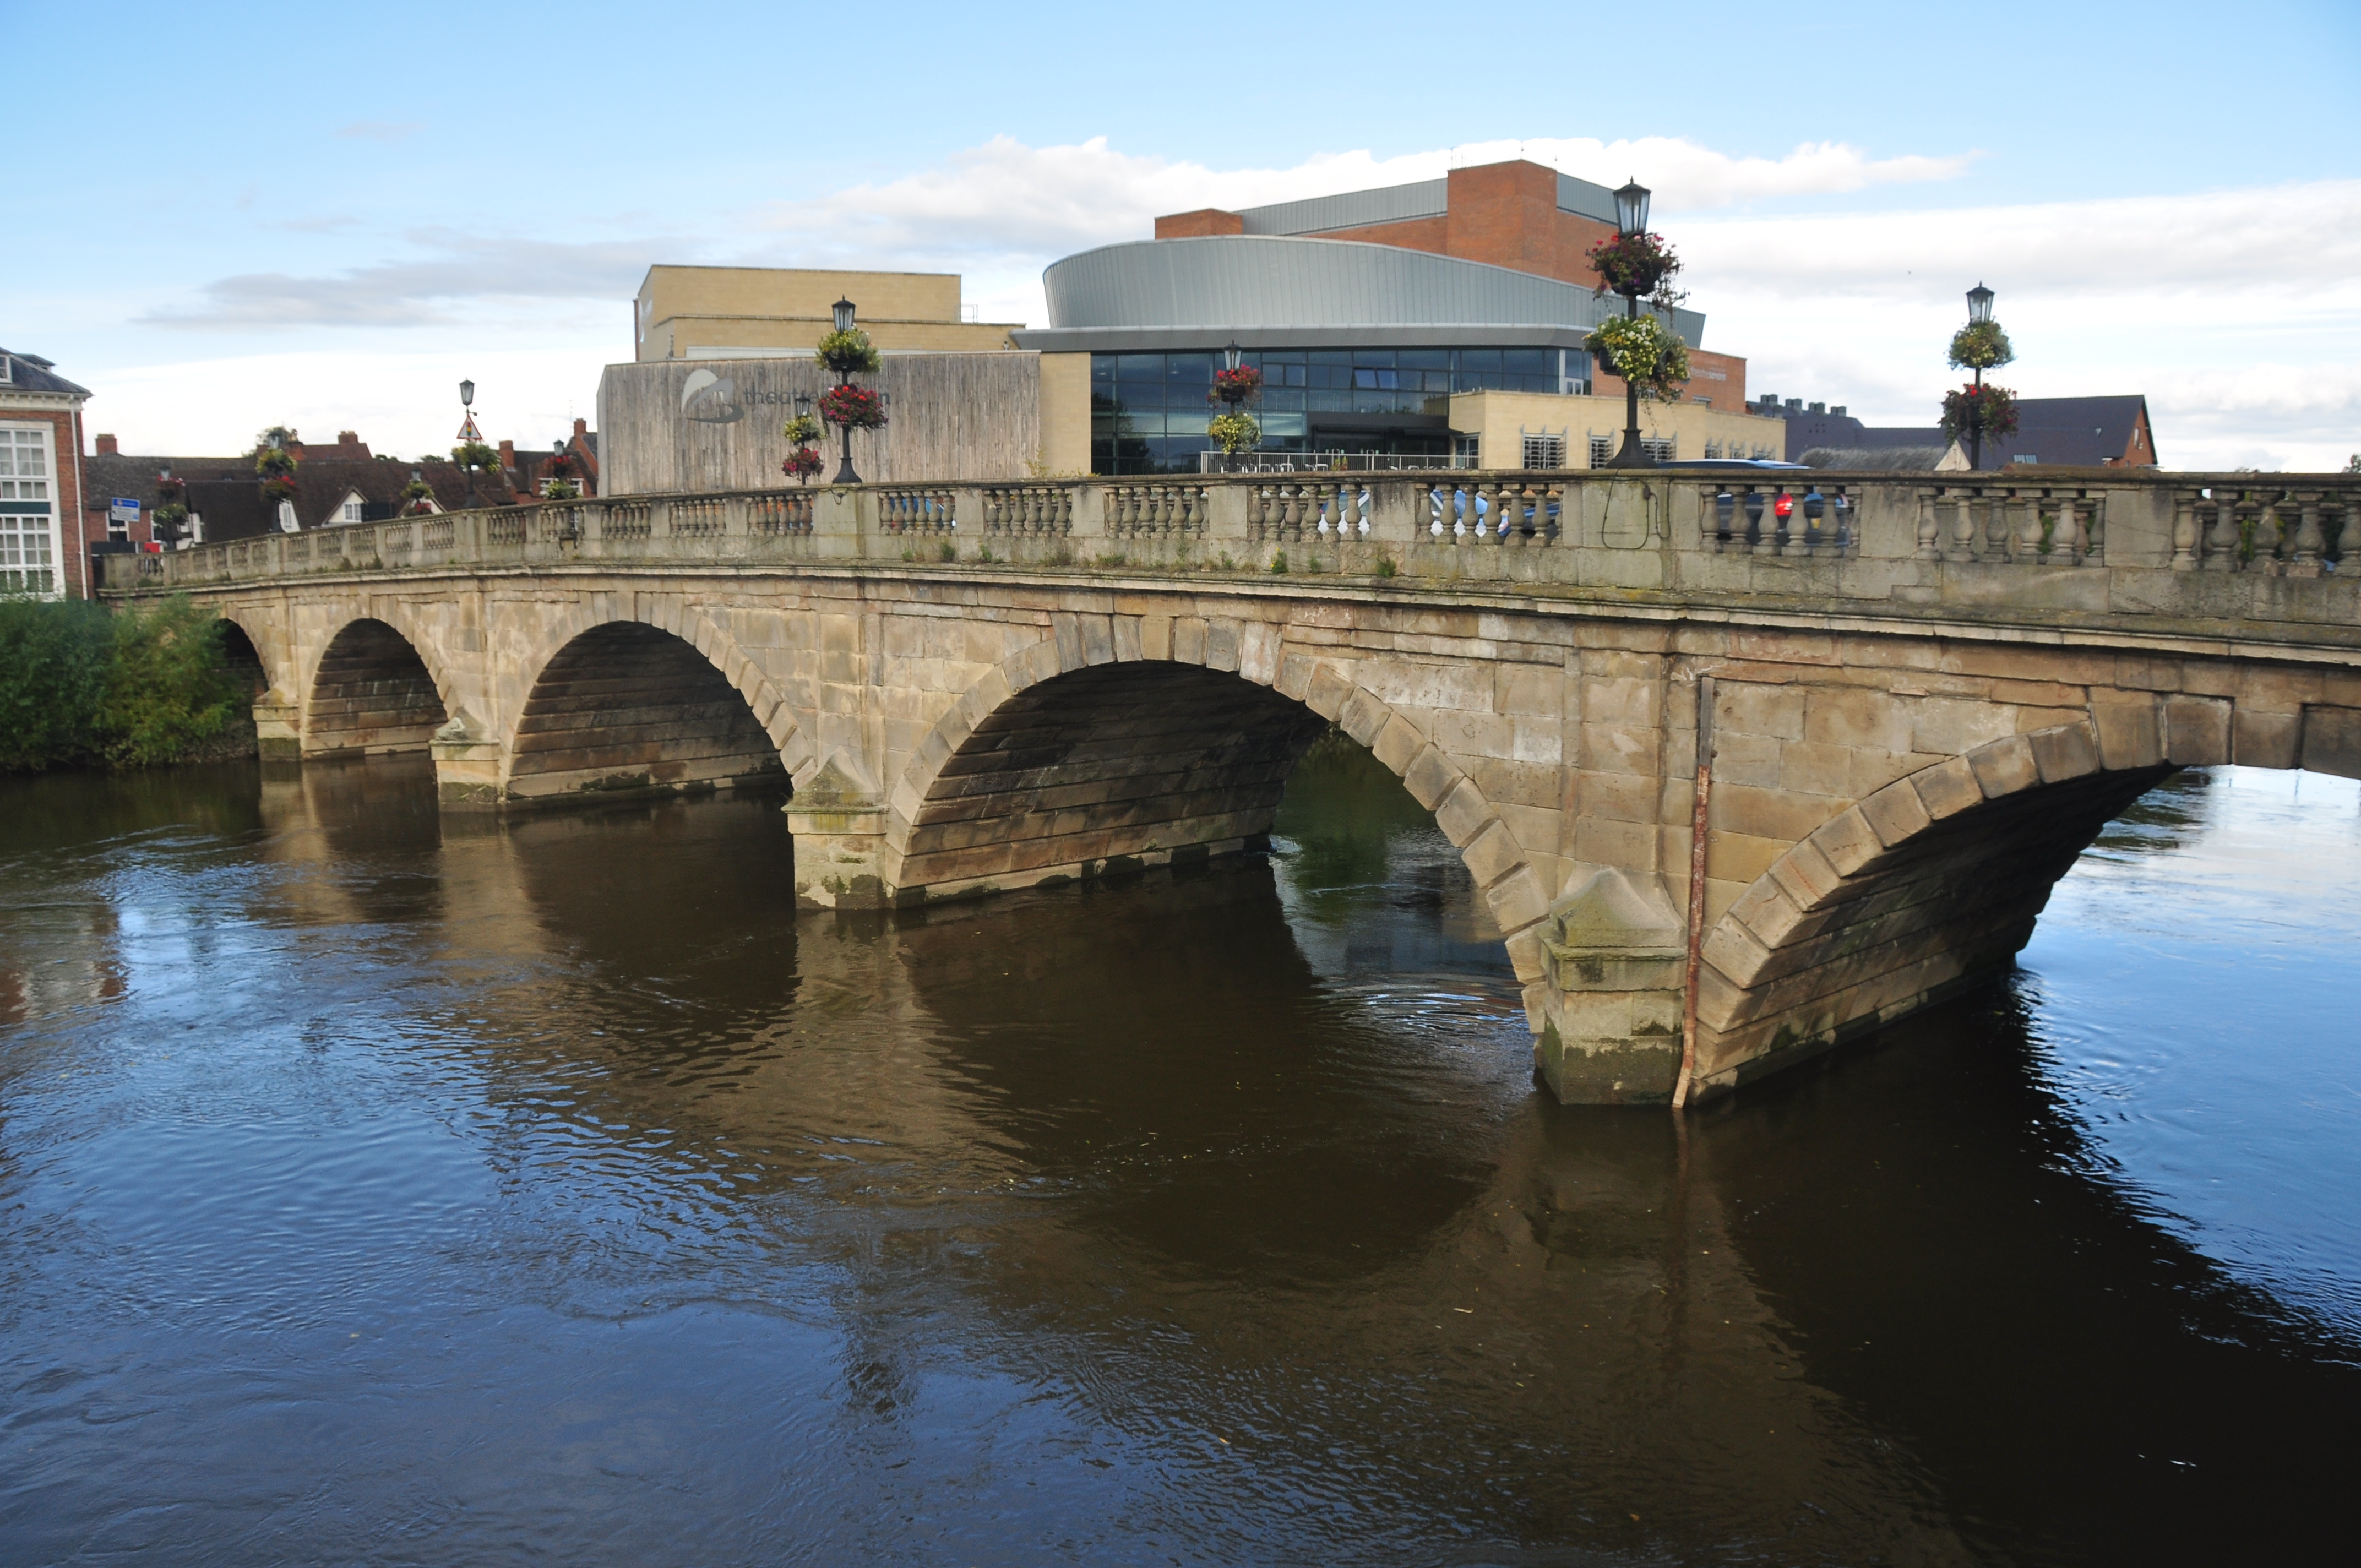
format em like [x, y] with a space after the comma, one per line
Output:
[985, 556]
[1235, 432]
[1967, 410]
[948, 551]
[476, 454]
[847, 353]
[800, 431]
[1981, 345]
[273, 462]
[1385, 567]
[139, 687]
[2353, 464]
[1279, 565]
[1645, 352]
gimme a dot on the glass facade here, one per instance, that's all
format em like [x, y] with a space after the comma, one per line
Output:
[1148, 410]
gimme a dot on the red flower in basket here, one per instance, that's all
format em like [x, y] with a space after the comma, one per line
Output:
[853, 408]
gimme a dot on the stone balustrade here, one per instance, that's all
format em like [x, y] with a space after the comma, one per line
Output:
[2239, 547]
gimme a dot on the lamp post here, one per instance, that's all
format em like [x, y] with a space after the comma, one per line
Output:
[844, 474]
[1632, 220]
[1980, 303]
[467, 434]
[1232, 355]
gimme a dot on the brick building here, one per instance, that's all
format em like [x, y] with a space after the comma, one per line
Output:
[43, 548]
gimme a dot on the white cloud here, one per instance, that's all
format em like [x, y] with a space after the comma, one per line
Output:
[1006, 198]
[2238, 313]
[421, 292]
[403, 403]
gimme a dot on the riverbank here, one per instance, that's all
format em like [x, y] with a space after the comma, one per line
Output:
[83, 686]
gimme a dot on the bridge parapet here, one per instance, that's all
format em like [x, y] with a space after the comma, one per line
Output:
[2106, 541]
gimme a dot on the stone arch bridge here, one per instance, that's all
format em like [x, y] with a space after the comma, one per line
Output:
[1929, 693]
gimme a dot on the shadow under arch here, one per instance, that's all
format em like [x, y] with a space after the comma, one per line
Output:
[628, 706]
[371, 694]
[1059, 766]
[1926, 887]
[243, 660]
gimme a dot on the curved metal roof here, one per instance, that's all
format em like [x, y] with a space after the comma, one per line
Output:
[1235, 282]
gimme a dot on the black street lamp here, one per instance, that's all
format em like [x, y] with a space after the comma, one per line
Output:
[1630, 222]
[468, 434]
[1232, 355]
[1980, 302]
[844, 473]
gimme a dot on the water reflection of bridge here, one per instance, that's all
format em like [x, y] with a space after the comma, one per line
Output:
[1226, 1203]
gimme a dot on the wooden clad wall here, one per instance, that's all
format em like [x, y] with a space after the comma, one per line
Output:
[668, 426]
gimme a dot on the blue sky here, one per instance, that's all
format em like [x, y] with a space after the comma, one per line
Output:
[325, 215]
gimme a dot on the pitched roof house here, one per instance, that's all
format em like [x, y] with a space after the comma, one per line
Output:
[41, 549]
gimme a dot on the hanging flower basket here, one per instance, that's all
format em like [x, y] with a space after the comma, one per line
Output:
[1235, 432]
[1638, 265]
[801, 465]
[801, 431]
[560, 490]
[1645, 353]
[853, 408]
[1235, 388]
[1981, 345]
[278, 488]
[169, 489]
[847, 353]
[475, 455]
[1992, 410]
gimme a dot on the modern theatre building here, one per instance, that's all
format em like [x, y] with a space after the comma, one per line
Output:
[1378, 319]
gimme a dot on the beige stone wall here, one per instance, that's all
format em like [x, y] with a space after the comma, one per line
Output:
[1065, 414]
[682, 427]
[1500, 420]
[681, 310]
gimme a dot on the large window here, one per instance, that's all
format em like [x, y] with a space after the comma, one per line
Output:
[1148, 410]
[27, 513]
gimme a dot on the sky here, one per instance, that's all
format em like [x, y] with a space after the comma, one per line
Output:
[324, 216]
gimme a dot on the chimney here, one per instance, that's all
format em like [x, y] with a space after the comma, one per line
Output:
[107, 447]
[348, 438]
[507, 453]
[581, 427]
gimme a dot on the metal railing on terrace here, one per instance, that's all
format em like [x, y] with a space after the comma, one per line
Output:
[2193, 546]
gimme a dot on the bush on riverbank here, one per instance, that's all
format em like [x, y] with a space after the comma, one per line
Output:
[81, 687]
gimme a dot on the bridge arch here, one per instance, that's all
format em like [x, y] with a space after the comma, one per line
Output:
[647, 701]
[1081, 756]
[372, 692]
[1917, 892]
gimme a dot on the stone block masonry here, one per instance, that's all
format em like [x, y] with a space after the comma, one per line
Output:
[975, 690]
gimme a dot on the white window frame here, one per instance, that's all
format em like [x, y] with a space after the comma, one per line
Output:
[12, 574]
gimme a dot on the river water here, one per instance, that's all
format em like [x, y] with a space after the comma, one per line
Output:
[376, 1187]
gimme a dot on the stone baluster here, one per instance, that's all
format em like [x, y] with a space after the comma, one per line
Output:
[2026, 530]
[2270, 536]
[2065, 533]
[2095, 530]
[2222, 543]
[2309, 544]
[2349, 537]
[1995, 551]
[2185, 534]
[1762, 536]
[1964, 528]
[1931, 529]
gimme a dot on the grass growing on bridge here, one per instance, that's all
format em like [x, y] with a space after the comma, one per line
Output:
[81, 687]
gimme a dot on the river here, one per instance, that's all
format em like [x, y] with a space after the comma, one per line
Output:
[378, 1187]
